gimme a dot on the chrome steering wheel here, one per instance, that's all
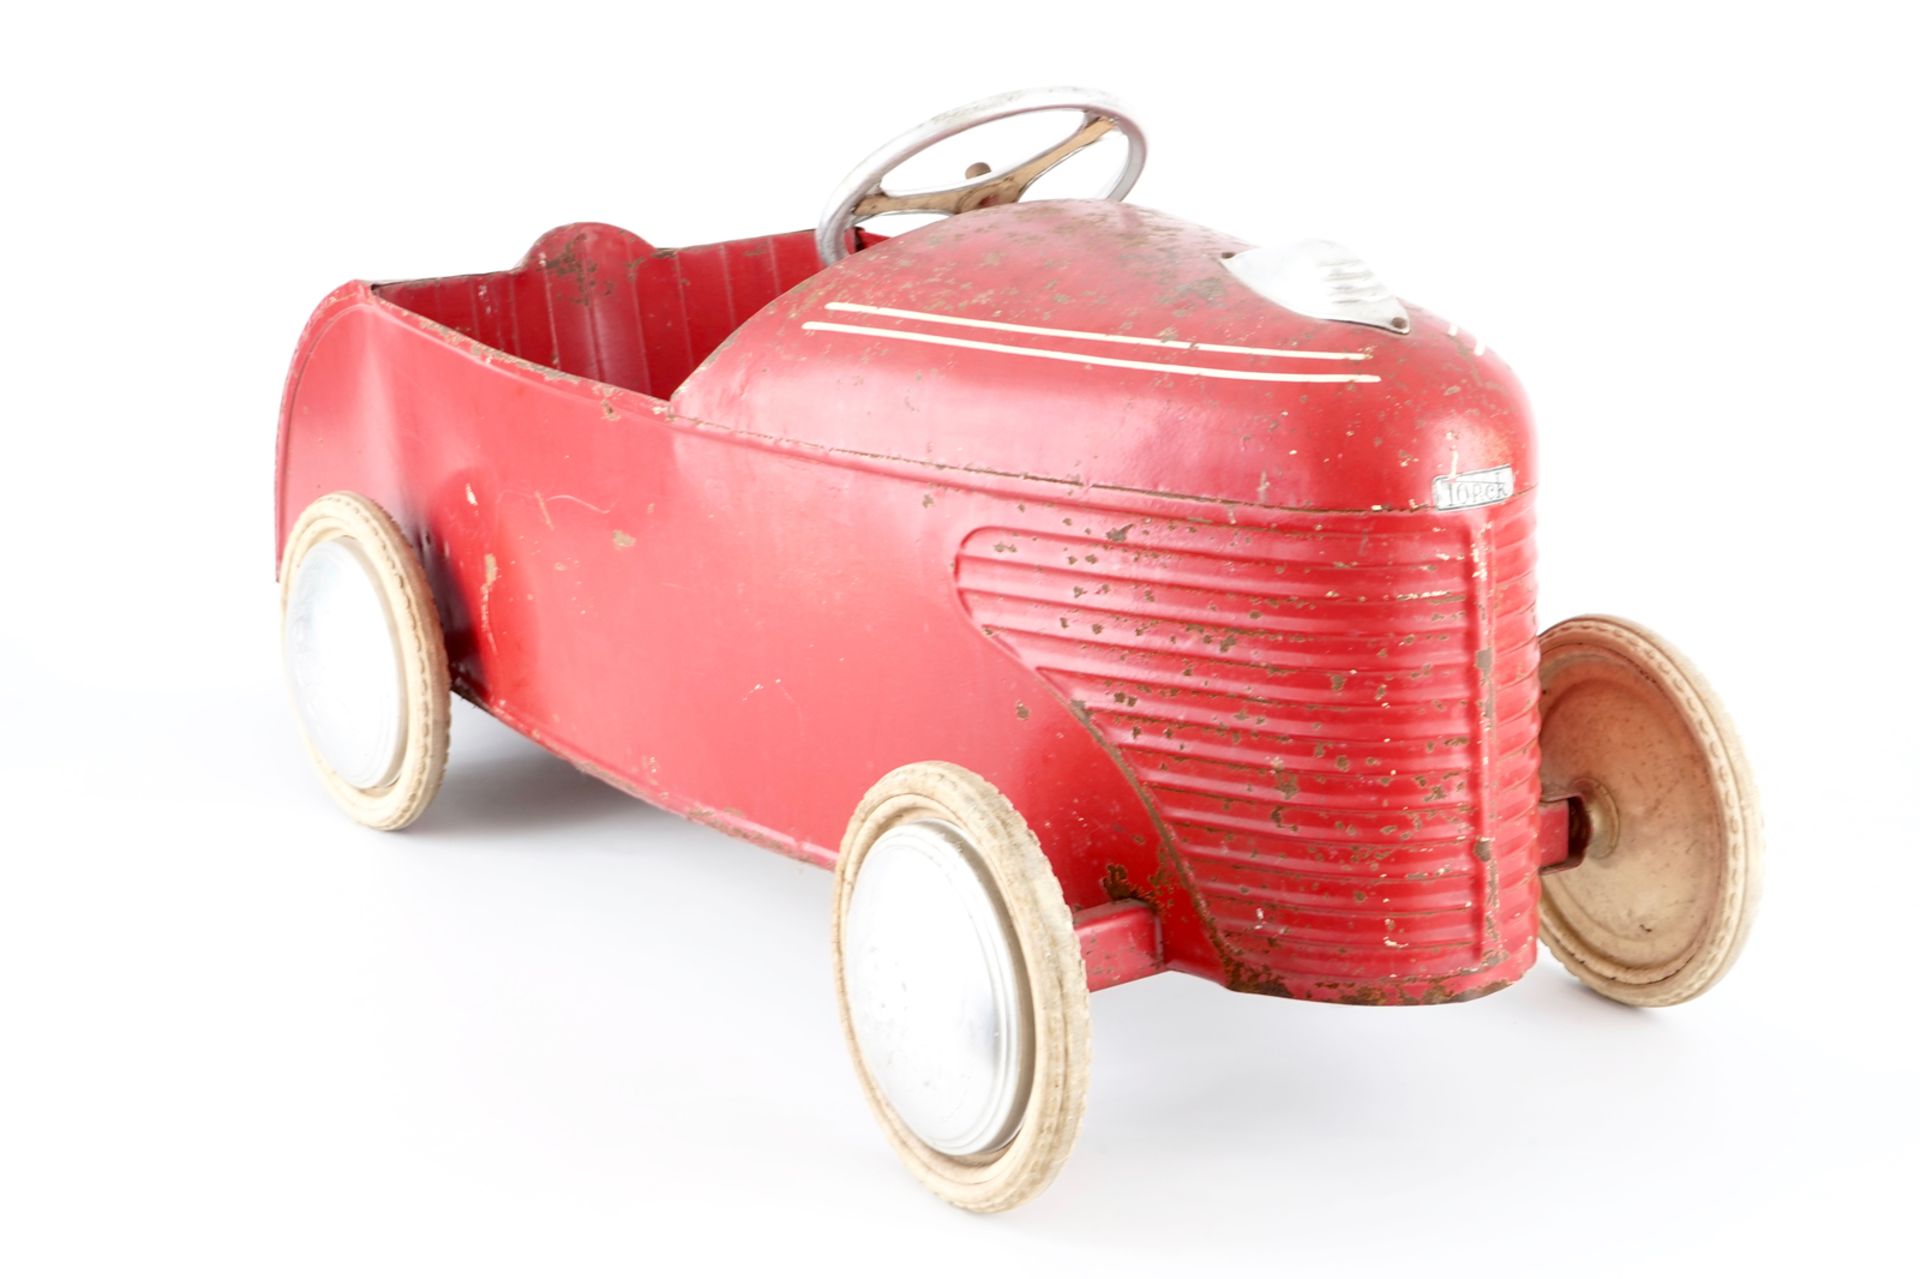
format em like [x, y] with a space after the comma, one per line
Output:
[862, 195]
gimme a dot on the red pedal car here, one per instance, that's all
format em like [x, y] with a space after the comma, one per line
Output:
[1095, 593]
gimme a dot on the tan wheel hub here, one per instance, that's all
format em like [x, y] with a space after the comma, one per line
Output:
[1657, 911]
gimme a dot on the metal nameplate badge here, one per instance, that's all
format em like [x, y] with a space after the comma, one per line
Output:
[1475, 488]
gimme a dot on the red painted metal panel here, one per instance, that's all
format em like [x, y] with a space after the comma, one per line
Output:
[1119, 943]
[856, 363]
[1314, 713]
[601, 303]
[1558, 847]
[1153, 599]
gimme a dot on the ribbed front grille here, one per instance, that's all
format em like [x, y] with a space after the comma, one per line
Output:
[1333, 720]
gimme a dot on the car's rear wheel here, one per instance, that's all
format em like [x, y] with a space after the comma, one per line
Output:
[962, 991]
[364, 660]
[1659, 906]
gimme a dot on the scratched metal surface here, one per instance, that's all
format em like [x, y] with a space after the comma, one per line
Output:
[741, 602]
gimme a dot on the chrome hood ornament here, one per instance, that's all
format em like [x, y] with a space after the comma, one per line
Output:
[1321, 279]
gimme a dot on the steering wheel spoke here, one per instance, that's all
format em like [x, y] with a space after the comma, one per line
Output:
[950, 201]
[863, 195]
[1025, 174]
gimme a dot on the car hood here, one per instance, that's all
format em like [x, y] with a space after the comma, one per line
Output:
[1106, 345]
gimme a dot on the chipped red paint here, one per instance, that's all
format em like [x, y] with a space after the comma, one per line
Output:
[1042, 490]
[1560, 847]
[1297, 696]
[1119, 943]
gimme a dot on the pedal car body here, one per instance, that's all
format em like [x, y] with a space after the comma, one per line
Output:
[1216, 564]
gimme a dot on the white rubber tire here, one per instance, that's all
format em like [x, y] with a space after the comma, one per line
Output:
[419, 650]
[1055, 976]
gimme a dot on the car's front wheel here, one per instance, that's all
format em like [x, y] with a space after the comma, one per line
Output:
[364, 660]
[1659, 907]
[961, 986]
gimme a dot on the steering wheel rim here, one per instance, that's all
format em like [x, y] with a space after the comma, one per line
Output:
[861, 194]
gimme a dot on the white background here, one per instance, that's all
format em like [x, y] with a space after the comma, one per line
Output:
[551, 1031]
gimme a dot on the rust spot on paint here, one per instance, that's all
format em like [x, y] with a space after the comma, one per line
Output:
[622, 540]
[1020, 709]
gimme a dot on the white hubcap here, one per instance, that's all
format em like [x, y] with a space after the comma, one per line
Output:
[936, 990]
[344, 664]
